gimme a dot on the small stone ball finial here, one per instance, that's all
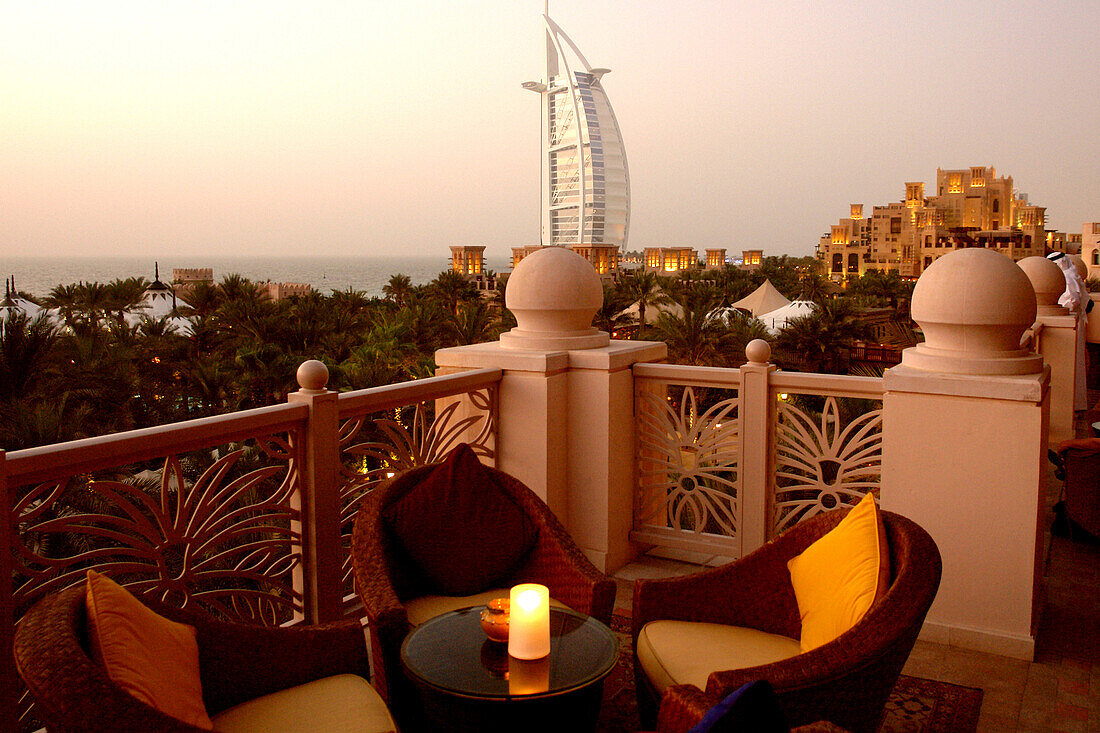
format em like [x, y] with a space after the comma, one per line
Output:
[1049, 284]
[973, 305]
[312, 376]
[758, 351]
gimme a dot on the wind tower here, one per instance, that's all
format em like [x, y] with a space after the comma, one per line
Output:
[585, 190]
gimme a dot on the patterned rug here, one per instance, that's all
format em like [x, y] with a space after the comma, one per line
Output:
[915, 706]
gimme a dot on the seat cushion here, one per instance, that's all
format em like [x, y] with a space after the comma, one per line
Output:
[460, 528]
[153, 658]
[686, 652]
[426, 607]
[839, 577]
[344, 702]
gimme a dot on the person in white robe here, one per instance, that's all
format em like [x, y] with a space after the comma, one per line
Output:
[1076, 300]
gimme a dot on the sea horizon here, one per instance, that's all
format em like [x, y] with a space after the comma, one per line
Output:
[368, 274]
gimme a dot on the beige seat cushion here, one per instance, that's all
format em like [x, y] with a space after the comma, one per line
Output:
[686, 652]
[339, 704]
[426, 607]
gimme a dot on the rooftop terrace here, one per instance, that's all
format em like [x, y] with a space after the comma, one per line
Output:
[249, 514]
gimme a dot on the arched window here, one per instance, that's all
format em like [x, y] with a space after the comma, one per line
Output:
[996, 205]
[853, 262]
[1096, 257]
[838, 262]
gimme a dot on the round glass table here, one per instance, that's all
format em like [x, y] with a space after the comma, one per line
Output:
[467, 682]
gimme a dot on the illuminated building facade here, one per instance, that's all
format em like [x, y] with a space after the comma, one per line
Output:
[585, 192]
[468, 260]
[971, 207]
[668, 260]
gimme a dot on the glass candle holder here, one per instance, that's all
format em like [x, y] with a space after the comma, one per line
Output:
[529, 621]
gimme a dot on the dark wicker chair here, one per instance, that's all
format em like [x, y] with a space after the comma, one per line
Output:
[237, 663]
[1080, 461]
[385, 579]
[846, 681]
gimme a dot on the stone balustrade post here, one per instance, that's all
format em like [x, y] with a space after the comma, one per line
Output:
[964, 448]
[1056, 342]
[565, 401]
[758, 420]
[319, 577]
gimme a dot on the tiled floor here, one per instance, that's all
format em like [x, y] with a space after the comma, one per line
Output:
[1059, 691]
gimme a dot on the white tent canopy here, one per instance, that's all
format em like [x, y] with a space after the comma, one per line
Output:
[794, 310]
[764, 299]
[652, 312]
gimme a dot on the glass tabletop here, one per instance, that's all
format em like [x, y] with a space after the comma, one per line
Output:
[451, 653]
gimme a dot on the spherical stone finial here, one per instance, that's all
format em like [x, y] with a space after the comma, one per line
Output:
[553, 293]
[758, 351]
[1048, 282]
[312, 376]
[973, 305]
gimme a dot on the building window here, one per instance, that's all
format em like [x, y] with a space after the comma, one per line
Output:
[1095, 258]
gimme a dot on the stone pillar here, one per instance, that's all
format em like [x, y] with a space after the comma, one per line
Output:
[565, 402]
[1056, 342]
[319, 499]
[758, 424]
[964, 454]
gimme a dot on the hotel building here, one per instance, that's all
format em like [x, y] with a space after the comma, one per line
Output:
[971, 207]
[585, 191]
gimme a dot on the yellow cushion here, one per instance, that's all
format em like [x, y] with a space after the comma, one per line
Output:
[152, 658]
[425, 607]
[686, 652]
[338, 704]
[839, 577]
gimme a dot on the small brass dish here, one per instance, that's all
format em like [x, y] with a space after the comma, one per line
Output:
[494, 619]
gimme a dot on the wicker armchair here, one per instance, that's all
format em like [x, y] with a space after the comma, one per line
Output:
[1080, 468]
[386, 579]
[846, 681]
[237, 663]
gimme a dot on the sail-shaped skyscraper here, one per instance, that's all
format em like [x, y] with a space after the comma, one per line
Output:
[585, 193]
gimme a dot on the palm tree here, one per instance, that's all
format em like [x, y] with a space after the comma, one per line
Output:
[815, 342]
[63, 298]
[693, 337]
[124, 294]
[644, 288]
[25, 347]
[452, 288]
[611, 316]
[815, 287]
[398, 289]
[473, 324]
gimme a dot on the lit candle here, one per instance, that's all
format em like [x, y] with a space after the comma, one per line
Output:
[529, 625]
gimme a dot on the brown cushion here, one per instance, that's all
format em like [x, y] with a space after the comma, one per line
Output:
[463, 531]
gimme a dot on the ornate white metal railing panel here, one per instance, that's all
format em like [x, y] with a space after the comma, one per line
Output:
[828, 444]
[688, 492]
[387, 430]
[201, 513]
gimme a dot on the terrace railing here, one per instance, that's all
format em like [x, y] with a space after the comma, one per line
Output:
[728, 458]
[247, 515]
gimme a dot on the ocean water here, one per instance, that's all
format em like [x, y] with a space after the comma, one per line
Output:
[39, 275]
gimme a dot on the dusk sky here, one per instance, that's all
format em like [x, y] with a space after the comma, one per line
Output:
[290, 128]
